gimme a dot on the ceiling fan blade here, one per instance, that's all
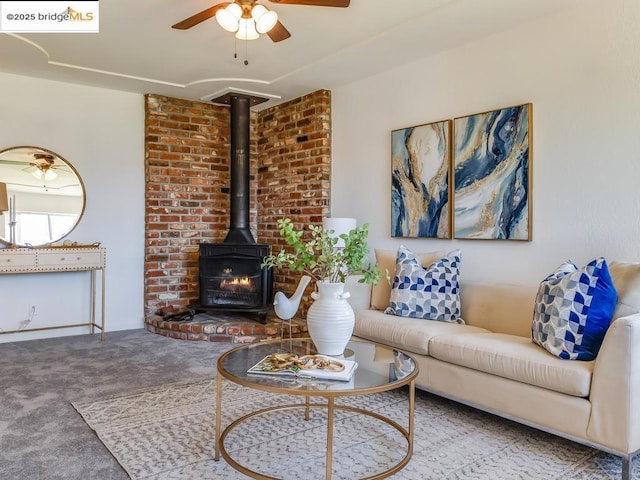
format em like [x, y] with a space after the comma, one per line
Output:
[13, 162]
[199, 17]
[278, 33]
[315, 3]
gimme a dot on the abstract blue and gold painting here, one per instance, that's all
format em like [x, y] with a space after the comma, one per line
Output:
[492, 175]
[420, 163]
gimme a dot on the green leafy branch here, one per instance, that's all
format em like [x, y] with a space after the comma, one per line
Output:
[320, 257]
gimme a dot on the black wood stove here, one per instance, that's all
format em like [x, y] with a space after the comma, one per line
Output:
[231, 276]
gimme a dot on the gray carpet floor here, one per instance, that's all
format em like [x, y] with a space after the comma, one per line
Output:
[42, 437]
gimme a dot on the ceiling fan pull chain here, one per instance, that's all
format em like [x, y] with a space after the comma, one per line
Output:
[246, 50]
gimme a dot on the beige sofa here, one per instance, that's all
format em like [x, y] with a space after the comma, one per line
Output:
[491, 363]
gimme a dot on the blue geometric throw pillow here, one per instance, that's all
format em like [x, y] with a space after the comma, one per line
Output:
[573, 310]
[431, 293]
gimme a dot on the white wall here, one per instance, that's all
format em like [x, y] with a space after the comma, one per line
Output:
[101, 132]
[581, 71]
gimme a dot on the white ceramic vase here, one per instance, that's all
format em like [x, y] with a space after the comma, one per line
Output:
[330, 319]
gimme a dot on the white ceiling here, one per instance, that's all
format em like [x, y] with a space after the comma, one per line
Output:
[138, 51]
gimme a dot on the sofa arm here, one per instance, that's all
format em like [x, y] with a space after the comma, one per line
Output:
[615, 388]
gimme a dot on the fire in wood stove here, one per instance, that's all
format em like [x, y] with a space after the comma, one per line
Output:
[232, 278]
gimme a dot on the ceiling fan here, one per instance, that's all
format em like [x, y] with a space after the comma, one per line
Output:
[44, 166]
[43, 161]
[248, 19]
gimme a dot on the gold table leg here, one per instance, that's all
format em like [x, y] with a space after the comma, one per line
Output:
[216, 456]
[102, 304]
[412, 403]
[92, 304]
[329, 465]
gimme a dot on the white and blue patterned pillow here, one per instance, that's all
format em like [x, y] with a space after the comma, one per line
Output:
[431, 293]
[573, 310]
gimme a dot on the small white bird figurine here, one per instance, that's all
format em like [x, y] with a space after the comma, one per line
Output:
[285, 307]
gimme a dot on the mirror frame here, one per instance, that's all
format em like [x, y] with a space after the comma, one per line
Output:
[82, 186]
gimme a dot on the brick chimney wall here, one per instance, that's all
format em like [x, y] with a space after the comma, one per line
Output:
[187, 185]
[187, 194]
[294, 173]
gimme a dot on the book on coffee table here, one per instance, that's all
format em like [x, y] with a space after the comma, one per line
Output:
[333, 371]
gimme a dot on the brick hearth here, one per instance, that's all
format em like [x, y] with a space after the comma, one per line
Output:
[225, 327]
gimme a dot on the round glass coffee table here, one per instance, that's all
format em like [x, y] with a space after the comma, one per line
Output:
[380, 368]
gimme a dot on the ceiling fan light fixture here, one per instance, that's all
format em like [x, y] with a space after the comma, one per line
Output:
[265, 19]
[44, 170]
[229, 17]
[247, 29]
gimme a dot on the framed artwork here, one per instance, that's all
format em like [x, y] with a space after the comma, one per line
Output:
[492, 174]
[420, 193]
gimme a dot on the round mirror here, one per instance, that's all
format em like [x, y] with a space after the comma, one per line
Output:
[44, 197]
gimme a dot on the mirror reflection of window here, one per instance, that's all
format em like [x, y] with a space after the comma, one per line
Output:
[41, 228]
[46, 192]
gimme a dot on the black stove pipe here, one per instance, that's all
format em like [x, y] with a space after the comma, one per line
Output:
[239, 228]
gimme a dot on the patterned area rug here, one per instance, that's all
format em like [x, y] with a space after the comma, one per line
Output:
[167, 432]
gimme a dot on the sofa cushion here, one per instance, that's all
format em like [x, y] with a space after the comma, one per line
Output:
[500, 308]
[430, 293]
[573, 310]
[409, 334]
[515, 358]
[386, 260]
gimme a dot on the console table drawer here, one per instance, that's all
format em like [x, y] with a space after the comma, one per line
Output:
[69, 259]
[17, 261]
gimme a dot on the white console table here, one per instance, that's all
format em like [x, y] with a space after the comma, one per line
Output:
[71, 259]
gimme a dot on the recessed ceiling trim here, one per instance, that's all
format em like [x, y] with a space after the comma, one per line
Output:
[135, 77]
[30, 42]
[159, 82]
[115, 74]
[250, 93]
[229, 79]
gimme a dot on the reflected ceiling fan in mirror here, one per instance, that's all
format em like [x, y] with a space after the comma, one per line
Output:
[44, 166]
[248, 18]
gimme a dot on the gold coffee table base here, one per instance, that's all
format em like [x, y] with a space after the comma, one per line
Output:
[380, 369]
[330, 406]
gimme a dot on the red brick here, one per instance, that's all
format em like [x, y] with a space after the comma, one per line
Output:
[220, 338]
